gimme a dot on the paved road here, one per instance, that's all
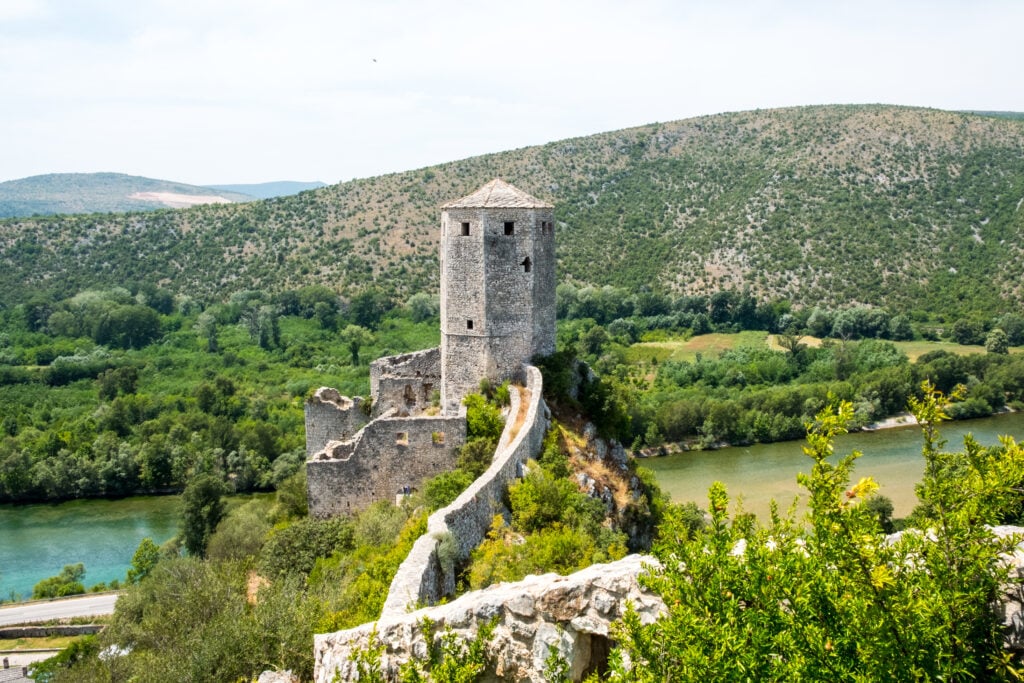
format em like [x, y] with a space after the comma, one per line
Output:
[85, 606]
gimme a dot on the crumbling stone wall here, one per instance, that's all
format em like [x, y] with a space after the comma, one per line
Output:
[572, 613]
[405, 383]
[332, 417]
[388, 454]
[421, 579]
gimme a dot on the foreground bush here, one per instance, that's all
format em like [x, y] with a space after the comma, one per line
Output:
[831, 598]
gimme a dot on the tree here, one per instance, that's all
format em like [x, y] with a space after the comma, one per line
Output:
[264, 327]
[900, 328]
[145, 558]
[127, 327]
[701, 324]
[369, 306]
[206, 327]
[422, 306]
[594, 340]
[356, 337]
[793, 343]
[968, 331]
[819, 324]
[997, 341]
[326, 315]
[1013, 325]
[202, 510]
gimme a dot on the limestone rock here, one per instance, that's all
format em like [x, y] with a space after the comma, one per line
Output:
[568, 614]
[277, 677]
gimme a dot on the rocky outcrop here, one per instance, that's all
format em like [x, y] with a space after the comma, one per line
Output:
[571, 614]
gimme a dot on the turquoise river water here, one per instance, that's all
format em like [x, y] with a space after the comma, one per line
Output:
[36, 541]
[764, 472]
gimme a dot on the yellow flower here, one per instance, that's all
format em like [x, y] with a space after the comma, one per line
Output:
[880, 576]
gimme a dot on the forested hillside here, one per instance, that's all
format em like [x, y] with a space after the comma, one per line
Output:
[914, 209]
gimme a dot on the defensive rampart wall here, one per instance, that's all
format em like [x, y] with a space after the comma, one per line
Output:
[423, 578]
[387, 455]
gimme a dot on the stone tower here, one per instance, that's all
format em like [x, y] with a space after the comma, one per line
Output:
[497, 287]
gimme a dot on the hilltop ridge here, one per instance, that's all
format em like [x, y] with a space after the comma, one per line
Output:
[63, 193]
[885, 205]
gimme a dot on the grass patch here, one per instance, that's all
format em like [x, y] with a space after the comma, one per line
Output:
[686, 349]
[912, 349]
[43, 643]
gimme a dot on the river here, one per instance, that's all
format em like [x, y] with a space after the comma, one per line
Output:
[764, 472]
[36, 541]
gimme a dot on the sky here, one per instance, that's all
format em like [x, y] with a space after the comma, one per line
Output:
[247, 91]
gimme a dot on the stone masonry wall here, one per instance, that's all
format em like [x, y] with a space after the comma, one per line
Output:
[421, 579]
[405, 383]
[572, 613]
[497, 294]
[385, 456]
[331, 417]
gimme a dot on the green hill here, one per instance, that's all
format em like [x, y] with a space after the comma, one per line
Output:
[61, 193]
[907, 207]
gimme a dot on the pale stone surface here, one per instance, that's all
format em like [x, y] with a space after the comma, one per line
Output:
[571, 613]
[498, 194]
[331, 417]
[381, 459]
[406, 383]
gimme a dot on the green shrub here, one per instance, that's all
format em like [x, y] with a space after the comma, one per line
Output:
[241, 534]
[68, 582]
[831, 599]
[476, 455]
[483, 420]
[441, 490]
[294, 549]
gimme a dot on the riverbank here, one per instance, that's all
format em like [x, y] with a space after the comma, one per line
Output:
[762, 472]
[899, 421]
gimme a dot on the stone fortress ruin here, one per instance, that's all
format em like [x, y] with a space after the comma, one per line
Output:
[497, 311]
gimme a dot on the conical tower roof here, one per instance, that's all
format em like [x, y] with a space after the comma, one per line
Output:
[498, 194]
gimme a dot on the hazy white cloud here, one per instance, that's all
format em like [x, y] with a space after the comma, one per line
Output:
[245, 91]
[18, 10]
